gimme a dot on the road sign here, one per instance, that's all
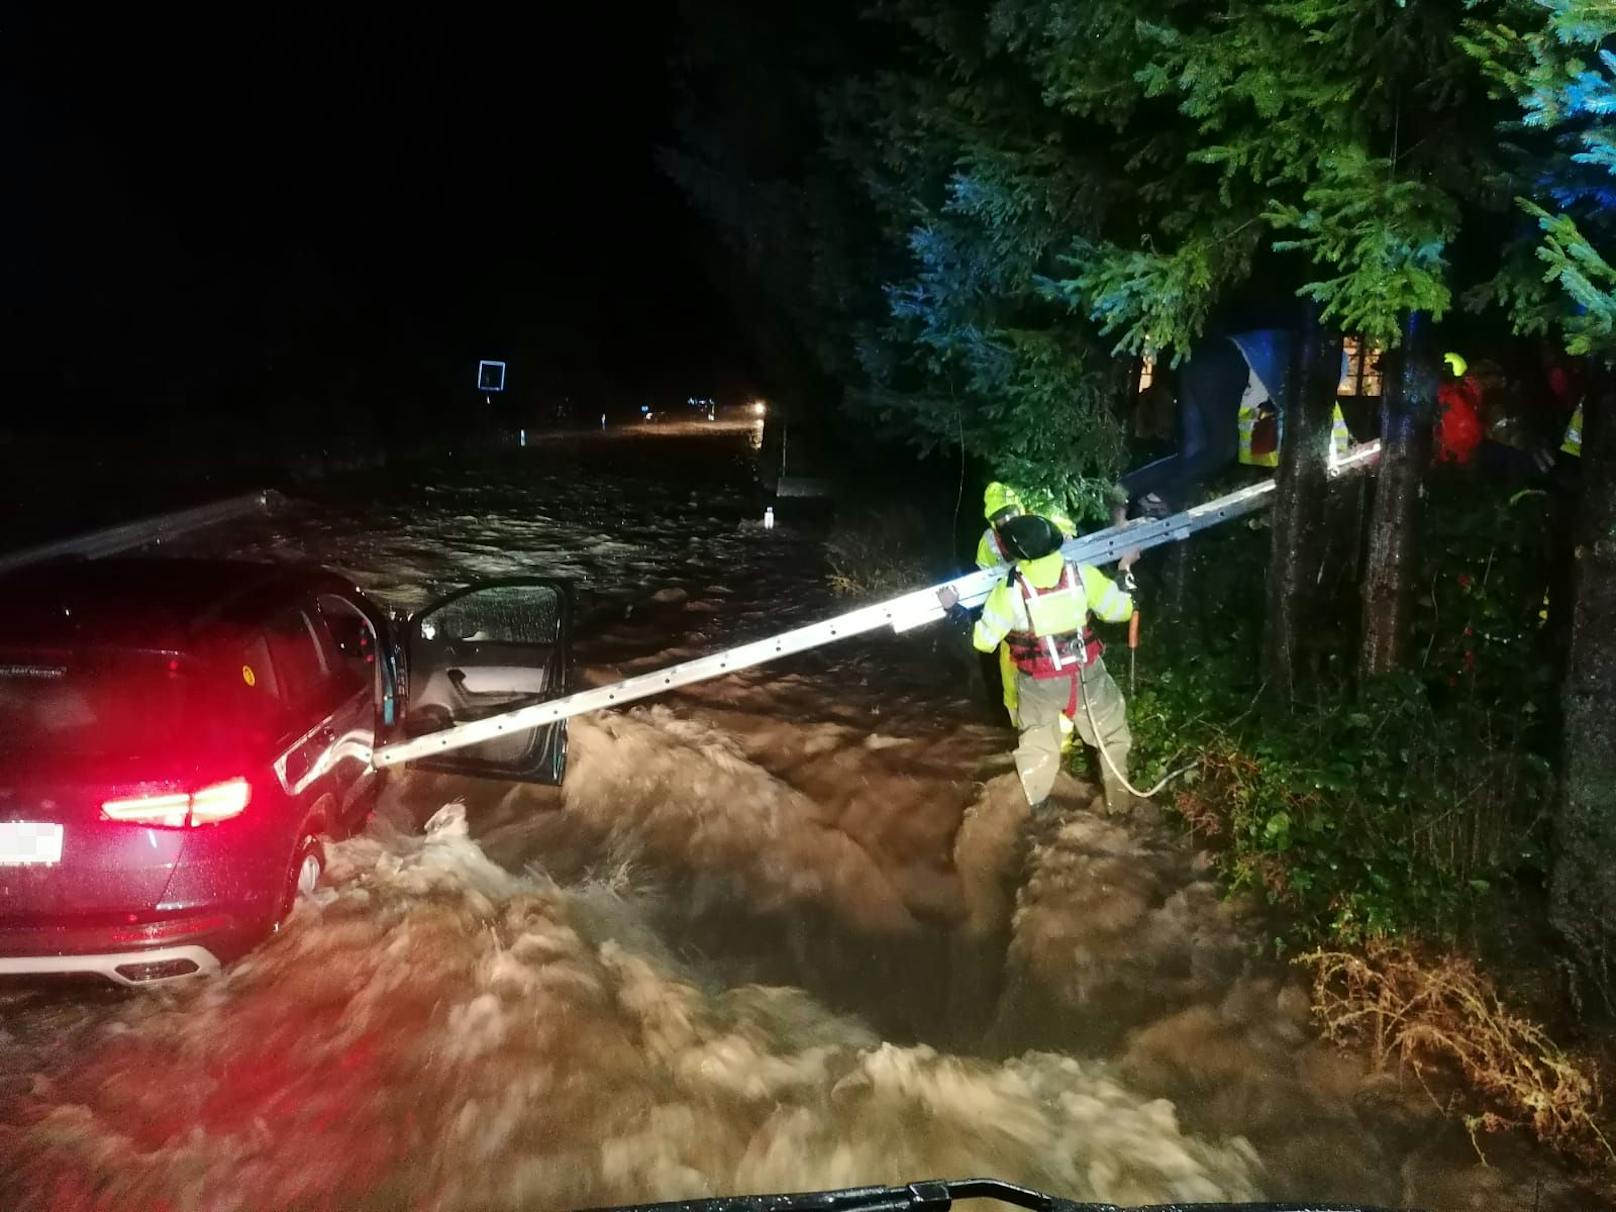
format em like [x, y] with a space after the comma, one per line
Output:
[490, 376]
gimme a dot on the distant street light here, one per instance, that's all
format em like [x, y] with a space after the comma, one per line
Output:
[759, 408]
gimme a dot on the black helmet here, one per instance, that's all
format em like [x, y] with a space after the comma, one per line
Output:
[1030, 537]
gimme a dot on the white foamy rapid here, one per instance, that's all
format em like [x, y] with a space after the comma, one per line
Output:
[439, 1032]
[623, 990]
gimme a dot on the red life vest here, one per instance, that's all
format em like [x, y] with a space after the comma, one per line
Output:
[1053, 656]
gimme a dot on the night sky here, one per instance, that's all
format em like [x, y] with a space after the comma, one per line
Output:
[300, 210]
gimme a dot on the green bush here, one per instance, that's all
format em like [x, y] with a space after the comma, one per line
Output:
[1370, 812]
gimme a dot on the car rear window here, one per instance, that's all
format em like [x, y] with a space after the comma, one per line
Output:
[94, 703]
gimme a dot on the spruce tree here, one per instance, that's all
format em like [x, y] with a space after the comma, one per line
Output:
[1319, 146]
[1550, 57]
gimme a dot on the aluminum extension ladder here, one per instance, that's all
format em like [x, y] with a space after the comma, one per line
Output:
[914, 609]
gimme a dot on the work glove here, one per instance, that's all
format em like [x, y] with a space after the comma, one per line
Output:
[951, 603]
[1125, 567]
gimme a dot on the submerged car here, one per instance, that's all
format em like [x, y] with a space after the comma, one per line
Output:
[179, 739]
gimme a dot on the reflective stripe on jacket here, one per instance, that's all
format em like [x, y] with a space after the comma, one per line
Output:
[1340, 436]
[1573, 434]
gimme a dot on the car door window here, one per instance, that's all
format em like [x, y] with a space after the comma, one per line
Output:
[353, 642]
[487, 650]
[302, 669]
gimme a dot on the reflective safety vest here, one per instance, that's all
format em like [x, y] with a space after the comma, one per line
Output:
[1059, 639]
[1047, 597]
[1340, 435]
[1247, 421]
[1573, 434]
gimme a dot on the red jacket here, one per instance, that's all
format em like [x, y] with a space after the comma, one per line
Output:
[1458, 426]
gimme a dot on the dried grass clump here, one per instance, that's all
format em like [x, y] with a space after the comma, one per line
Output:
[1441, 1017]
[879, 553]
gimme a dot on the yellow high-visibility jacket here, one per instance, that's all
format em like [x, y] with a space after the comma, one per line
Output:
[1006, 608]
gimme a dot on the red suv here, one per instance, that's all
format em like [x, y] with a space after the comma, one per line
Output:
[178, 736]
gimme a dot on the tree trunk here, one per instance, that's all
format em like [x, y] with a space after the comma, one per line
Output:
[1174, 630]
[1407, 406]
[1583, 886]
[1298, 538]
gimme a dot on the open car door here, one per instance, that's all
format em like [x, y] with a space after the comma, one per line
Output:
[491, 648]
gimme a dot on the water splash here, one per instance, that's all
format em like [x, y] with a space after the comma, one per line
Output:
[442, 1033]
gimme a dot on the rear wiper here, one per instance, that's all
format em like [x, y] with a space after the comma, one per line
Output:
[936, 1195]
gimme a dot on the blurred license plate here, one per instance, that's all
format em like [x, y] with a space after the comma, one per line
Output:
[30, 842]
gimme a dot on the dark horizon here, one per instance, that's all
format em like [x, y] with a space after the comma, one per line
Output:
[296, 212]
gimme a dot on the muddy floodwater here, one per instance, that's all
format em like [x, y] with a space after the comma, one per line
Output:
[762, 939]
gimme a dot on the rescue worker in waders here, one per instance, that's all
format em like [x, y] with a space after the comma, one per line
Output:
[1041, 611]
[1001, 503]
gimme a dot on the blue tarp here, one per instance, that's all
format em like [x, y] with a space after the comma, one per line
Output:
[1267, 351]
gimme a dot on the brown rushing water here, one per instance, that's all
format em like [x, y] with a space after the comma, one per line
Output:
[762, 940]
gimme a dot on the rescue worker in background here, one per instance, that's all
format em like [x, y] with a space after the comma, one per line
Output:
[1041, 611]
[1000, 503]
[1458, 426]
[1262, 429]
[1258, 422]
[1564, 378]
[1572, 443]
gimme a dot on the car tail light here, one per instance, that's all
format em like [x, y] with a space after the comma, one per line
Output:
[170, 810]
[176, 809]
[220, 802]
